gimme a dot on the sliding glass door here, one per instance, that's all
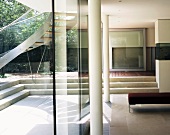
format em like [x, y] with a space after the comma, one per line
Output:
[44, 69]
[70, 65]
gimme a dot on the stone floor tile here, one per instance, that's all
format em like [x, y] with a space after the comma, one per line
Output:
[143, 120]
[119, 131]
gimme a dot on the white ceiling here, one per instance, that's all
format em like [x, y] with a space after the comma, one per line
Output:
[122, 13]
[135, 13]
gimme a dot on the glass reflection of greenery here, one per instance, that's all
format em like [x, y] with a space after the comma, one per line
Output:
[163, 51]
[17, 33]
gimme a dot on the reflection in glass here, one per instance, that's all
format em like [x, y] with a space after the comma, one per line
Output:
[29, 71]
[27, 76]
[127, 49]
[127, 58]
[163, 51]
[71, 76]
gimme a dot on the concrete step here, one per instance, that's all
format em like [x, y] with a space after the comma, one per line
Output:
[132, 84]
[35, 81]
[58, 86]
[14, 91]
[72, 80]
[86, 91]
[58, 91]
[38, 86]
[10, 91]
[4, 103]
[8, 84]
[131, 90]
[71, 85]
[86, 80]
[50, 80]
[134, 79]
[86, 85]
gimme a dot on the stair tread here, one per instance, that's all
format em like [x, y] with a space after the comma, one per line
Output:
[135, 88]
[10, 91]
[133, 77]
[60, 89]
[11, 88]
[130, 82]
[8, 84]
[56, 84]
[9, 98]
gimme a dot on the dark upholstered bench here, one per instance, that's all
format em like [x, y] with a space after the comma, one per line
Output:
[148, 98]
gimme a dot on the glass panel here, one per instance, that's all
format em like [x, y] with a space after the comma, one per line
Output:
[126, 38]
[127, 49]
[25, 47]
[127, 58]
[71, 86]
[27, 67]
[83, 65]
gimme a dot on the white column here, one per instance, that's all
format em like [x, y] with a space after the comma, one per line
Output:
[106, 58]
[95, 67]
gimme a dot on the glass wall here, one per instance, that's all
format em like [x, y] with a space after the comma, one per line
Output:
[71, 67]
[127, 50]
[44, 59]
[25, 70]
[83, 61]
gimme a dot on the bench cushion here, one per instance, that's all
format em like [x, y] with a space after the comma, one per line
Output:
[148, 98]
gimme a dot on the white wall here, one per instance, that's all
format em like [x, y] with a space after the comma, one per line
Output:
[163, 75]
[162, 31]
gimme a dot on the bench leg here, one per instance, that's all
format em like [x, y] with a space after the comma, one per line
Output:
[129, 109]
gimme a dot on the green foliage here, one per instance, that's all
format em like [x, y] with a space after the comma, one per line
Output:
[72, 36]
[19, 32]
[10, 11]
[26, 28]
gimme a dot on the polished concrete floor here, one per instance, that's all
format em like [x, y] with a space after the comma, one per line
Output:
[143, 119]
[34, 116]
[30, 116]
